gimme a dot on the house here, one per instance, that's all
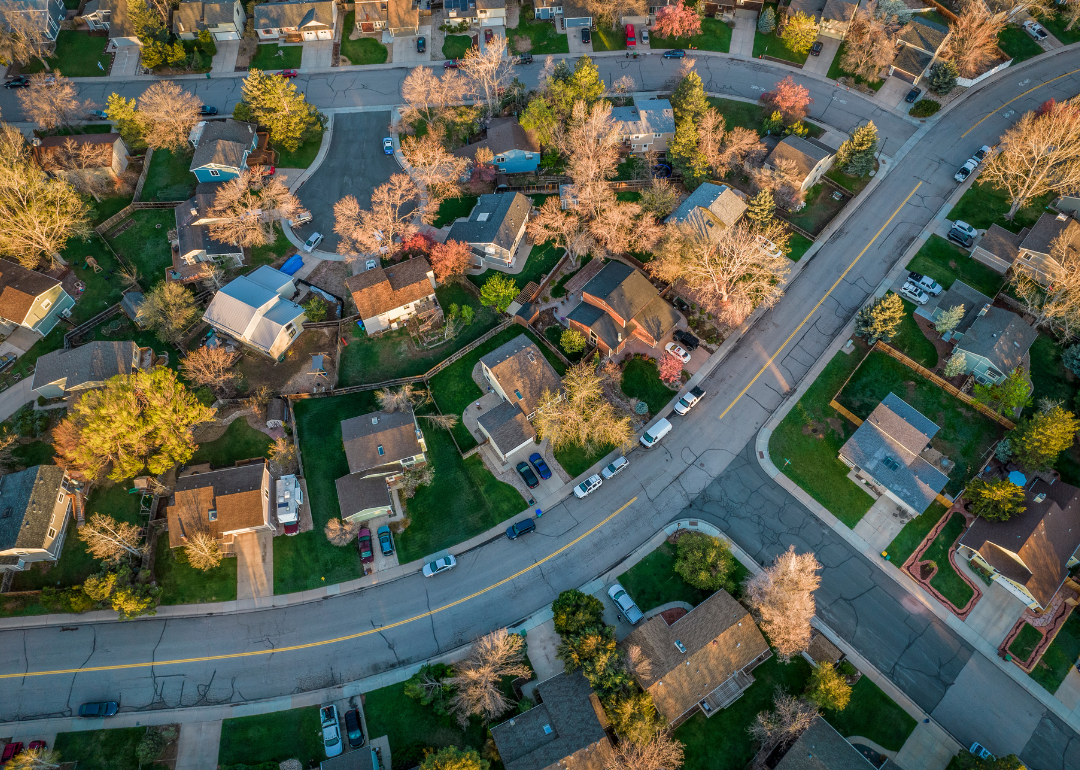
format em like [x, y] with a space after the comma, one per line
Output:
[194, 248]
[486, 13]
[379, 448]
[917, 45]
[833, 17]
[224, 20]
[821, 747]
[566, 730]
[74, 370]
[645, 127]
[24, 15]
[104, 156]
[620, 303]
[257, 310]
[222, 148]
[998, 248]
[222, 503]
[365, 758]
[371, 15]
[575, 15]
[516, 150]
[494, 228]
[1052, 231]
[398, 17]
[888, 453]
[996, 343]
[520, 374]
[112, 15]
[710, 209]
[30, 299]
[701, 661]
[1031, 554]
[549, 9]
[296, 21]
[974, 302]
[37, 502]
[811, 158]
[386, 298]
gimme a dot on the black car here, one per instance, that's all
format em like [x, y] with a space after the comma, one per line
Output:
[514, 531]
[960, 237]
[421, 45]
[206, 111]
[19, 82]
[353, 728]
[528, 476]
[913, 94]
[687, 340]
[815, 49]
[102, 709]
[586, 36]
[525, 58]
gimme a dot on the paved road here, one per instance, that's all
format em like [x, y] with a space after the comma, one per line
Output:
[704, 465]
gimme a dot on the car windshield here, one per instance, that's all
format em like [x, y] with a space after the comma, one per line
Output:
[433, 566]
[332, 741]
[648, 438]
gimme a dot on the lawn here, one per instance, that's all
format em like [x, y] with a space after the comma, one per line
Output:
[1056, 26]
[455, 46]
[798, 246]
[1025, 642]
[541, 261]
[559, 289]
[34, 453]
[653, 580]
[853, 184]
[983, 205]
[271, 252]
[946, 580]
[77, 56]
[715, 36]
[1050, 379]
[771, 45]
[946, 263]
[271, 56]
[454, 208]
[736, 113]
[239, 442]
[393, 354]
[101, 749]
[302, 157]
[874, 715]
[641, 380]
[575, 460]
[554, 334]
[819, 210]
[1060, 656]
[183, 584]
[103, 290]
[912, 341]
[1017, 44]
[169, 177]
[537, 38]
[913, 533]
[964, 434]
[107, 207]
[363, 50]
[274, 737]
[145, 245]
[604, 39]
[836, 71]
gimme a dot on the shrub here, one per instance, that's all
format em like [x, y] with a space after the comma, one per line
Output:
[924, 108]
[1070, 359]
[151, 746]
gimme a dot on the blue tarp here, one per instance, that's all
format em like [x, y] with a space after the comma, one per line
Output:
[292, 264]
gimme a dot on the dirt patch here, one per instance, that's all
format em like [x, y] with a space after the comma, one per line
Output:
[292, 374]
[330, 277]
[127, 225]
[837, 425]
[927, 570]
[816, 428]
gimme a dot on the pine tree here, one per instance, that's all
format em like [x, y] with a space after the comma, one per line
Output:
[949, 319]
[1038, 440]
[689, 100]
[856, 155]
[122, 112]
[275, 103]
[956, 365]
[881, 320]
[767, 21]
[761, 207]
[177, 55]
[943, 75]
[686, 155]
[997, 500]
[1070, 359]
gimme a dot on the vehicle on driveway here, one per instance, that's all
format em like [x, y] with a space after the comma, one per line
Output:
[1035, 29]
[625, 604]
[588, 486]
[965, 170]
[631, 41]
[678, 352]
[691, 397]
[981, 153]
[331, 733]
[388, 146]
[206, 111]
[523, 527]
[421, 45]
[963, 227]
[488, 36]
[675, 53]
[105, 708]
[19, 82]
[289, 74]
[11, 751]
[914, 293]
[644, 36]
[541, 467]
[586, 36]
[302, 218]
[926, 283]
[386, 540]
[311, 243]
[371, 264]
[354, 729]
[527, 475]
[912, 95]
[96, 115]
[452, 64]
[655, 433]
[687, 340]
[612, 470]
[37, 745]
[363, 541]
[525, 58]
[439, 565]
[959, 236]
[981, 752]
[815, 49]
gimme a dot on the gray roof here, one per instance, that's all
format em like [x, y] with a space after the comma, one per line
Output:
[196, 237]
[522, 372]
[651, 116]
[93, 362]
[27, 499]
[131, 303]
[394, 433]
[838, 10]
[19, 288]
[623, 288]
[119, 19]
[357, 492]
[720, 201]
[958, 294]
[599, 321]
[224, 481]
[1049, 227]
[507, 426]
[196, 15]
[496, 219]
[275, 410]
[224, 143]
[1001, 243]
[809, 7]
[1000, 336]
[820, 747]
[251, 309]
[357, 759]
[503, 135]
[806, 153]
[911, 60]
[888, 444]
[923, 34]
[294, 14]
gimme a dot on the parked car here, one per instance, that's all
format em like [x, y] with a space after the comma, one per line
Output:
[363, 541]
[106, 708]
[313, 241]
[631, 41]
[914, 293]
[644, 36]
[354, 730]
[691, 397]
[527, 475]
[386, 540]
[11, 751]
[965, 170]
[19, 82]
[1035, 29]
[289, 74]
[488, 36]
[6, 360]
[611, 471]
[421, 45]
[926, 283]
[525, 58]
[331, 733]
[965, 228]
[302, 218]
[981, 752]
[678, 352]
[37, 745]
[387, 145]
[959, 236]
[439, 565]
[655, 433]
[981, 153]
[523, 527]
[913, 94]
[625, 604]
[541, 467]
[815, 49]
[586, 35]
[588, 486]
[97, 115]
[452, 64]
[687, 340]
[206, 111]
[675, 53]
[371, 264]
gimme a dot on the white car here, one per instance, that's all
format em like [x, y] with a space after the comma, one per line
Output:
[625, 604]
[331, 734]
[965, 228]
[964, 171]
[1035, 30]
[312, 242]
[302, 218]
[655, 433]
[371, 264]
[914, 293]
[439, 565]
[612, 470]
[691, 397]
[587, 487]
[678, 352]
[926, 283]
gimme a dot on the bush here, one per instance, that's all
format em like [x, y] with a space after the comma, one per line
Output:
[65, 600]
[206, 43]
[704, 562]
[30, 423]
[41, 401]
[847, 668]
[1070, 359]
[576, 612]
[151, 746]
[924, 108]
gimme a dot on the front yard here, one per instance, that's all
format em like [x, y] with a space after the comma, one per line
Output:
[983, 205]
[454, 208]
[575, 460]
[820, 209]
[537, 38]
[911, 340]
[183, 584]
[913, 533]
[874, 715]
[715, 36]
[946, 263]
[1060, 656]
[1056, 24]
[605, 39]
[271, 57]
[77, 56]
[274, 737]
[641, 380]
[169, 177]
[737, 113]
[772, 45]
[946, 580]
[455, 47]
[101, 749]
[836, 71]
[1018, 44]
[302, 157]
[653, 581]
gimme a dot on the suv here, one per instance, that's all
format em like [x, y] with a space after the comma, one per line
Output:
[682, 406]
[302, 217]
[687, 340]
[981, 153]
[102, 709]
[311, 243]
[525, 58]
[959, 236]
[815, 49]
[655, 433]
[914, 293]
[610, 471]
[353, 729]
[588, 486]
[586, 36]
[331, 734]
[926, 283]
[517, 529]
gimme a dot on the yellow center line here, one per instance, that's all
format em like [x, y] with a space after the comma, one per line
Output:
[339, 639]
[843, 275]
[1006, 104]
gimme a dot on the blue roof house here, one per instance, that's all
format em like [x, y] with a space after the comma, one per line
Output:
[221, 149]
[515, 150]
[257, 310]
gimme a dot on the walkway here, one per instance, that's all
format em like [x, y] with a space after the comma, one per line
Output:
[15, 397]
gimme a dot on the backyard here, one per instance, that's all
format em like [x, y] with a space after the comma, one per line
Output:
[946, 263]
[77, 55]
[1017, 44]
[836, 72]
[653, 581]
[913, 533]
[537, 37]
[1050, 379]
[541, 261]
[103, 289]
[271, 57]
[101, 749]
[641, 380]
[983, 205]
[774, 46]
[239, 442]
[715, 36]
[273, 737]
[142, 240]
[169, 177]
[946, 580]
[1060, 656]
[820, 209]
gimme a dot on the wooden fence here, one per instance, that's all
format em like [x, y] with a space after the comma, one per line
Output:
[145, 171]
[86, 326]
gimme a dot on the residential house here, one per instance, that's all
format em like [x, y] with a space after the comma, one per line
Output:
[224, 20]
[45, 15]
[833, 17]
[30, 299]
[821, 747]
[398, 17]
[1034, 257]
[112, 15]
[519, 373]
[710, 209]
[566, 730]
[998, 248]
[386, 298]
[34, 516]
[996, 343]
[701, 661]
[100, 156]
[1031, 554]
[222, 148]
[494, 228]
[222, 503]
[516, 150]
[575, 14]
[296, 21]
[917, 45]
[549, 9]
[371, 15]
[645, 127]
[620, 303]
[490, 13]
[974, 302]
[365, 758]
[195, 248]
[257, 310]
[889, 454]
[811, 158]
[379, 448]
[75, 370]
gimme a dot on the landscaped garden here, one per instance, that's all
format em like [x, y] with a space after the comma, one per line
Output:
[541, 261]
[169, 177]
[271, 56]
[983, 205]
[947, 580]
[536, 36]
[112, 749]
[946, 264]
[274, 737]
[820, 209]
[773, 45]
[913, 533]
[715, 36]
[1060, 656]
[77, 55]
[362, 50]
[641, 380]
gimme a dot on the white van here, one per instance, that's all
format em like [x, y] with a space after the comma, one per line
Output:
[655, 433]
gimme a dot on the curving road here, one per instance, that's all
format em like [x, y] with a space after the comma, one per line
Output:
[704, 468]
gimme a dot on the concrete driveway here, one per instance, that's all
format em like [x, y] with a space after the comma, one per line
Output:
[892, 94]
[125, 62]
[820, 64]
[405, 47]
[499, 31]
[354, 165]
[317, 55]
[254, 565]
[225, 58]
[742, 36]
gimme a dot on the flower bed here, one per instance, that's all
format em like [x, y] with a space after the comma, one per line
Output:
[923, 570]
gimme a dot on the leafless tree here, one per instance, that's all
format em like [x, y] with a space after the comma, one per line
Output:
[443, 421]
[52, 101]
[400, 400]
[590, 141]
[565, 229]
[35, 759]
[488, 71]
[624, 227]
[283, 457]
[478, 678]
[610, 13]
[1070, 12]
[420, 89]
[169, 309]
[870, 44]
[340, 532]
[783, 726]
[416, 476]
[109, 540]
[661, 752]
[581, 415]
[639, 663]
[1054, 301]
[258, 400]
[86, 166]
[169, 113]
[375, 230]
[659, 198]
[781, 178]
[434, 168]
[1011, 8]
[22, 35]
[246, 207]
[972, 43]
[212, 367]
[782, 598]
[742, 148]
[202, 550]
[621, 90]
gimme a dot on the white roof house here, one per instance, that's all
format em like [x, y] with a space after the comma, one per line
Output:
[257, 310]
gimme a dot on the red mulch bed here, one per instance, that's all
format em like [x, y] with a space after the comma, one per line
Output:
[670, 616]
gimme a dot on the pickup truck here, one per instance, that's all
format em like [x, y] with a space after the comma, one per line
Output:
[695, 394]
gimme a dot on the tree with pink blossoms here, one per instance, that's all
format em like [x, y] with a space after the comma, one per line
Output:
[670, 368]
[790, 99]
[677, 20]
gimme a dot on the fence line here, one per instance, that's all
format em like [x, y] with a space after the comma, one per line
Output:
[86, 326]
[795, 227]
[145, 171]
[115, 219]
[844, 412]
[540, 335]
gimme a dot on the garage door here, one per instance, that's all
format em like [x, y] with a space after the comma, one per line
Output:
[226, 36]
[309, 35]
[326, 34]
[496, 22]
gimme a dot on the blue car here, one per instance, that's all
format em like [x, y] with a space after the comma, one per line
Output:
[388, 146]
[103, 709]
[541, 466]
[677, 53]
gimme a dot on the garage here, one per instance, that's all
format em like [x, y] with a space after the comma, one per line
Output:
[309, 35]
[222, 36]
[495, 22]
[325, 34]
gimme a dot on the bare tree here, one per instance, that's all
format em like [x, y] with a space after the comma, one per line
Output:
[169, 113]
[340, 532]
[711, 139]
[202, 550]
[433, 167]
[639, 663]
[624, 227]
[1069, 12]
[1011, 8]
[86, 166]
[258, 400]
[742, 148]
[565, 229]
[781, 179]
[416, 476]
[1054, 300]
[972, 43]
[590, 141]
[212, 367]
[610, 13]
[581, 415]
[478, 678]
[422, 89]
[443, 421]
[661, 752]
[169, 309]
[246, 207]
[488, 71]
[660, 198]
[782, 598]
[109, 540]
[783, 726]
[22, 35]
[400, 400]
[283, 457]
[375, 230]
[52, 101]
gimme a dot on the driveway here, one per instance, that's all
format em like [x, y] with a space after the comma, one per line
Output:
[820, 64]
[225, 58]
[742, 36]
[125, 62]
[317, 55]
[892, 94]
[254, 565]
[405, 47]
[354, 165]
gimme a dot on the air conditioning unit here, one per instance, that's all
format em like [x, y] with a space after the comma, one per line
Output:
[66, 312]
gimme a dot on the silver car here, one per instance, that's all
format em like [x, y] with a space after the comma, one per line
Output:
[588, 486]
[331, 733]
[610, 471]
[625, 604]
[311, 243]
[433, 568]
[926, 283]
[914, 293]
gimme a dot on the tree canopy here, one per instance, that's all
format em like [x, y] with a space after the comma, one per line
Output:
[996, 500]
[274, 102]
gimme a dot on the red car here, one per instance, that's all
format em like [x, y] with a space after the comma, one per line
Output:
[289, 74]
[488, 35]
[450, 65]
[10, 751]
[364, 543]
[35, 745]
[631, 41]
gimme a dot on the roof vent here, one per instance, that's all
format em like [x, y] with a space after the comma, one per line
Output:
[547, 729]
[1040, 497]
[7, 513]
[1061, 217]
[680, 646]
[374, 419]
[194, 212]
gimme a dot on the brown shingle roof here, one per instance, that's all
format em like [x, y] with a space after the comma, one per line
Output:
[1001, 243]
[584, 275]
[805, 153]
[235, 494]
[363, 436]
[1047, 229]
[19, 288]
[503, 135]
[522, 372]
[381, 290]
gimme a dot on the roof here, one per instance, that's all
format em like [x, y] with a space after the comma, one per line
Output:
[357, 492]
[507, 426]
[911, 60]
[707, 204]
[359, 759]
[381, 290]
[622, 288]
[820, 747]
[102, 156]
[809, 7]
[27, 499]
[195, 15]
[250, 308]
[1001, 243]
[838, 10]
[394, 433]
[275, 410]
[294, 14]
[503, 135]
[19, 288]
[888, 445]
[957, 294]
[402, 14]
[578, 281]
[923, 34]
[522, 372]
[224, 142]
[234, 494]
[657, 318]
[119, 20]
[93, 362]
[1032, 548]
[1048, 228]
[562, 732]
[1000, 336]
[596, 319]
[720, 639]
[652, 116]
[196, 237]
[131, 303]
[821, 650]
[496, 218]
[805, 153]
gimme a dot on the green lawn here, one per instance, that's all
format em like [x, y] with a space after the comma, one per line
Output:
[1060, 656]
[1017, 44]
[274, 737]
[913, 533]
[715, 36]
[302, 157]
[1025, 642]
[183, 584]
[77, 56]
[537, 38]
[103, 290]
[146, 244]
[34, 453]
[101, 749]
[271, 56]
[874, 715]
[854, 184]
[604, 39]
[653, 580]
[271, 252]
[946, 580]
[1050, 379]
[455, 46]
[771, 45]
[454, 208]
[239, 442]
[983, 205]
[169, 177]
[798, 246]
[363, 50]
[107, 207]
[836, 71]
[1056, 27]
[912, 341]
[819, 210]
[541, 261]
[575, 460]
[806, 444]
[554, 334]
[736, 113]
[946, 263]
[641, 380]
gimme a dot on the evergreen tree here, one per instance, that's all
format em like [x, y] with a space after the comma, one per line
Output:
[949, 319]
[880, 320]
[1070, 358]
[800, 32]
[943, 75]
[583, 83]
[146, 22]
[1038, 440]
[206, 43]
[856, 155]
[767, 21]
[453, 758]
[774, 124]
[686, 156]
[762, 206]
[122, 112]
[828, 689]
[176, 55]
[499, 291]
[704, 561]
[956, 364]
[688, 101]
[275, 103]
[996, 500]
